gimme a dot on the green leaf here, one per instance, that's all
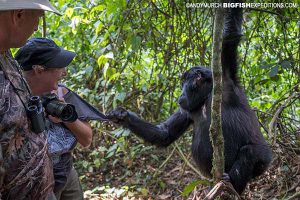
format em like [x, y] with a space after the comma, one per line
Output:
[121, 132]
[262, 82]
[89, 70]
[111, 150]
[110, 55]
[102, 149]
[101, 60]
[267, 66]
[190, 187]
[97, 162]
[99, 26]
[69, 12]
[274, 71]
[115, 76]
[110, 72]
[85, 164]
[162, 184]
[144, 191]
[99, 8]
[118, 132]
[121, 96]
[275, 78]
[135, 42]
[286, 64]
[155, 157]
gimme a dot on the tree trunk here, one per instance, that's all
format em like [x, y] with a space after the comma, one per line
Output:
[216, 135]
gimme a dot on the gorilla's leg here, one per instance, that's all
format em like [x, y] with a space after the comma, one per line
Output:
[252, 161]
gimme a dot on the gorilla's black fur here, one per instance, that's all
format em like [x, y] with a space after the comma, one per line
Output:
[247, 154]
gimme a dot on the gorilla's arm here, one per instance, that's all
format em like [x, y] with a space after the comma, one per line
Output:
[239, 121]
[162, 134]
[232, 34]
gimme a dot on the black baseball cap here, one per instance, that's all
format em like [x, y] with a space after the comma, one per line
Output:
[43, 51]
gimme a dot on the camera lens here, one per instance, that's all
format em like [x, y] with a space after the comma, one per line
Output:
[68, 113]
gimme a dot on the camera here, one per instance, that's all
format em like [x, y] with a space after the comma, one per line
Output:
[64, 111]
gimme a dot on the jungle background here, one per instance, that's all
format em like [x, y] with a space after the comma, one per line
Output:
[132, 54]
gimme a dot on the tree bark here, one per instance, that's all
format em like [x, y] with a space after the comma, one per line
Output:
[216, 135]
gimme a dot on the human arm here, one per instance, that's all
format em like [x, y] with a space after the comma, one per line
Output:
[80, 128]
[82, 131]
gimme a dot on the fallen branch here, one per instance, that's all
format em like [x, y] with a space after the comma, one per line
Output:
[220, 189]
[297, 194]
[188, 162]
[165, 162]
[273, 122]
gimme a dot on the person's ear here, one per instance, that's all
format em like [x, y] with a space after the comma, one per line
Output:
[38, 69]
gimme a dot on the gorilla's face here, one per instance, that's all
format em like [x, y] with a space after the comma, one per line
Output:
[196, 88]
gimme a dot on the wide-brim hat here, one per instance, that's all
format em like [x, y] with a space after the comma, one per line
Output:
[44, 52]
[27, 4]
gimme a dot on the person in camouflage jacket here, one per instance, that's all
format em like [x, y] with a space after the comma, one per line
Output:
[25, 165]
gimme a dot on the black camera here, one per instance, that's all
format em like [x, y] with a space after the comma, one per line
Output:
[35, 113]
[64, 111]
[53, 106]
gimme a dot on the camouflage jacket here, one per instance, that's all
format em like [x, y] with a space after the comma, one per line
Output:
[25, 165]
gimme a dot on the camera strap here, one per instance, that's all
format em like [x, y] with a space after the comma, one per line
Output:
[84, 110]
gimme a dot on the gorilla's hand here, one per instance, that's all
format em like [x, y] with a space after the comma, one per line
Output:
[119, 116]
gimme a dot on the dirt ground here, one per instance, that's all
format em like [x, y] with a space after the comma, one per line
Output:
[147, 178]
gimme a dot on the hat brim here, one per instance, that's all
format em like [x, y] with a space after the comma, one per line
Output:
[17, 5]
[61, 60]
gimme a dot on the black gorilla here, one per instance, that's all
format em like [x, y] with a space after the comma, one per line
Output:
[247, 154]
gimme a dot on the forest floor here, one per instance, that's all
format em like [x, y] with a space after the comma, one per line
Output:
[151, 175]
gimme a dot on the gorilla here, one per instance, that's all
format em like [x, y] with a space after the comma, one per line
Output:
[247, 154]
